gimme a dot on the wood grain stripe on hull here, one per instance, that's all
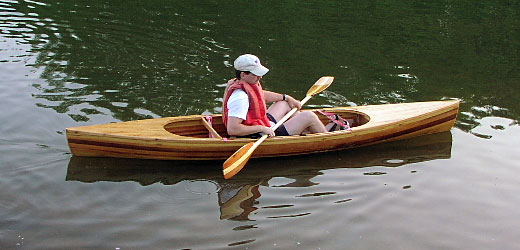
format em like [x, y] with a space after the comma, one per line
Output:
[405, 132]
[95, 148]
[440, 123]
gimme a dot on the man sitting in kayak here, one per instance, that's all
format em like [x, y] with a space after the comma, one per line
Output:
[245, 112]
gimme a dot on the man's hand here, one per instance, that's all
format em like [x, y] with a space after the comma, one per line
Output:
[293, 103]
[267, 131]
[230, 82]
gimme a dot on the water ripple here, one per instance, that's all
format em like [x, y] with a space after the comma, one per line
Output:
[288, 216]
[147, 54]
[241, 243]
[317, 194]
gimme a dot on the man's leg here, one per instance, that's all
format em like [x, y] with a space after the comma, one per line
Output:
[304, 121]
[279, 110]
[299, 122]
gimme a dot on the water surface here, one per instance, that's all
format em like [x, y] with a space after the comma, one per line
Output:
[67, 63]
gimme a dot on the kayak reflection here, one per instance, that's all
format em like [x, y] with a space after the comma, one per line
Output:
[237, 197]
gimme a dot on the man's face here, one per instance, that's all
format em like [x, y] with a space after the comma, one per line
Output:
[250, 78]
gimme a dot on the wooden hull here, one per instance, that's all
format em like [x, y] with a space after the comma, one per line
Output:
[186, 137]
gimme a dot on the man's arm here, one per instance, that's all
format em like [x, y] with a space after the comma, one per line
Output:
[236, 128]
[276, 97]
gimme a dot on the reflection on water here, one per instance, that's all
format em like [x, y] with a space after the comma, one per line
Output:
[236, 197]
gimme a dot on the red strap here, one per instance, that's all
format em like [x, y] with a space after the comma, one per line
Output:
[209, 118]
[340, 121]
[210, 121]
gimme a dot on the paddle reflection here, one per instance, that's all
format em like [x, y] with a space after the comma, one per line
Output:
[237, 197]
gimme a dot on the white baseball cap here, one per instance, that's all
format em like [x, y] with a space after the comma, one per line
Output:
[251, 63]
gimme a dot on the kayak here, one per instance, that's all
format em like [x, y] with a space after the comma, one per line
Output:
[195, 138]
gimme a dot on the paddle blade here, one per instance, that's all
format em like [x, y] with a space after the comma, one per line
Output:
[320, 85]
[237, 161]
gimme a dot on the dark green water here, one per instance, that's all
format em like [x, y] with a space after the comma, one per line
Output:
[71, 63]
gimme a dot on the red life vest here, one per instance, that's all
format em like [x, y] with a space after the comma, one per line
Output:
[256, 114]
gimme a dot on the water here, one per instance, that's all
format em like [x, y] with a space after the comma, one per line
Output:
[68, 63]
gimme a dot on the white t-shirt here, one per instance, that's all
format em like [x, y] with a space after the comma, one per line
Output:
[238, 105]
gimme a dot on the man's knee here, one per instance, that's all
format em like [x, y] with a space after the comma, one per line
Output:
[310, 116]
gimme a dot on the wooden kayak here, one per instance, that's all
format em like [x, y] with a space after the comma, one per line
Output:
[188, 137]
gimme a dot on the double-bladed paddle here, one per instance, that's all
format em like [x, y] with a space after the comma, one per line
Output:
[238, 160]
